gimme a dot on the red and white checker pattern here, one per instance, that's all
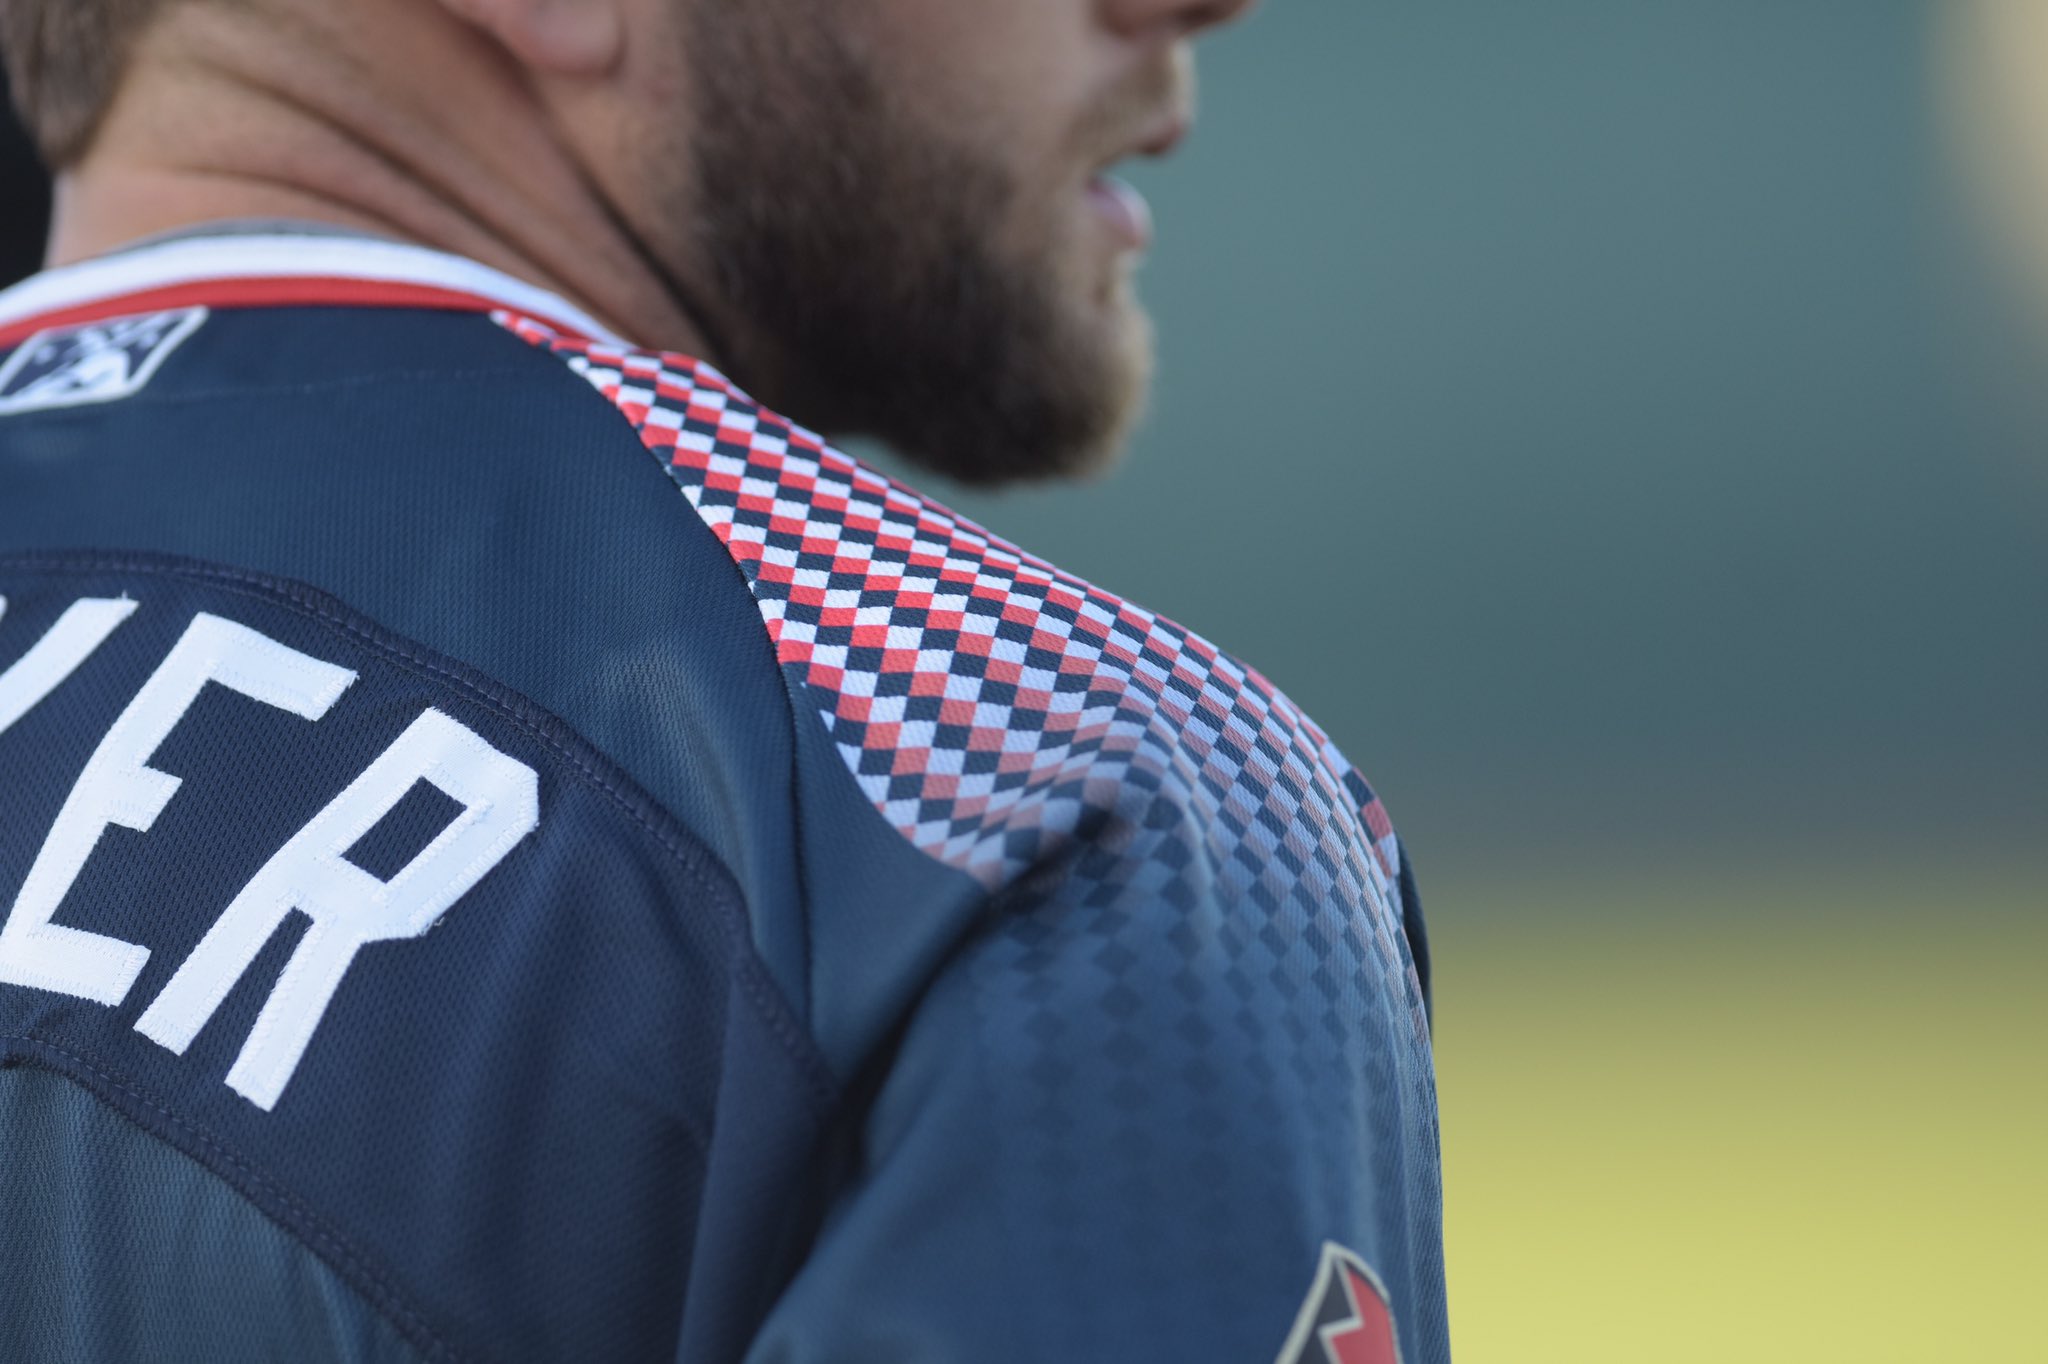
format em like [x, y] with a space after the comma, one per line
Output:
[986, 702]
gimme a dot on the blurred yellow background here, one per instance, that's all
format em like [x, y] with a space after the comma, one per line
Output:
[1792, 1115]
[1776, 1110]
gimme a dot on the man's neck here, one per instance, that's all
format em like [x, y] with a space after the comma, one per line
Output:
[236, 113]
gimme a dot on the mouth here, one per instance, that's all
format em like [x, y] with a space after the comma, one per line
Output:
[1116, 202]
[1120, 207]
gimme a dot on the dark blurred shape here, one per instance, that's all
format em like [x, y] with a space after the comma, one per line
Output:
[24, 197]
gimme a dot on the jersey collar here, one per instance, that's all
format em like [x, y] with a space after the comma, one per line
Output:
[277, 270]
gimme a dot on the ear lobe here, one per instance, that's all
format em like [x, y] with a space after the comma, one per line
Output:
[554, 37]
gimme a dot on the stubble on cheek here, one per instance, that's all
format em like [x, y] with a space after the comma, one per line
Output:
[895, 272]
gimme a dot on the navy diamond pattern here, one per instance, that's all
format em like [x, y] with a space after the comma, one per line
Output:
[991, 706]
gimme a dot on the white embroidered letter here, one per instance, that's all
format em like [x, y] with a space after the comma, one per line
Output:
[119, 787]
[349, 907]
[82, 628]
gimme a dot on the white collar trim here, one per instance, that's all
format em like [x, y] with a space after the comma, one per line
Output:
[199, 260]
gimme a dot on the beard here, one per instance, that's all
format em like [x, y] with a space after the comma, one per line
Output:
[877, 275]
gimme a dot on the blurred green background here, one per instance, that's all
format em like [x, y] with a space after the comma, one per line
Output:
[1612, 421]
[1608, 419]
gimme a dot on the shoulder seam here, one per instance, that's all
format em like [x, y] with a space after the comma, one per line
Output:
[539, 336]
[878, 596]
[989, 706]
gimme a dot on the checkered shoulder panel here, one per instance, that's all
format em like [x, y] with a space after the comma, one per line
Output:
[989, 704]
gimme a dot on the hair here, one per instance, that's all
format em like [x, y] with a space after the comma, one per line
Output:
[64, 61]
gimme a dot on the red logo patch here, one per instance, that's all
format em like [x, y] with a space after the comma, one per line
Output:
[1347, 1318]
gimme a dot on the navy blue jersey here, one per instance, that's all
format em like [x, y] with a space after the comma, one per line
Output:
[512, 851]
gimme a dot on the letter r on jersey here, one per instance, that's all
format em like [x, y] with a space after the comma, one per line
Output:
[348, 906]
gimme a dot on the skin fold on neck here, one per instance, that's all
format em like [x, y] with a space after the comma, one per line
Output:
[384, 116]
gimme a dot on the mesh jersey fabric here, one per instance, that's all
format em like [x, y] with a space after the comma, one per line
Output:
[1043, 981]
[143, 1231]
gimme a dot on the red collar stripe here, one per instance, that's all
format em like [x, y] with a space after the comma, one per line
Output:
[255, 292]
[270, 270]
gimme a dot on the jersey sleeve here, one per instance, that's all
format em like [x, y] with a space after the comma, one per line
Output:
[1140, 1036]
[1125, 1119]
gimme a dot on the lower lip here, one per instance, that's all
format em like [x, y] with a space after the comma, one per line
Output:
[1124, 210]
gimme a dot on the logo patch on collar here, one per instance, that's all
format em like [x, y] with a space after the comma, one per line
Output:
[1347, 1318]
[94, 362]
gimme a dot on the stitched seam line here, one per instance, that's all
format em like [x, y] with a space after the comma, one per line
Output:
[547, 340]
[345, 1259]
[548, 344]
